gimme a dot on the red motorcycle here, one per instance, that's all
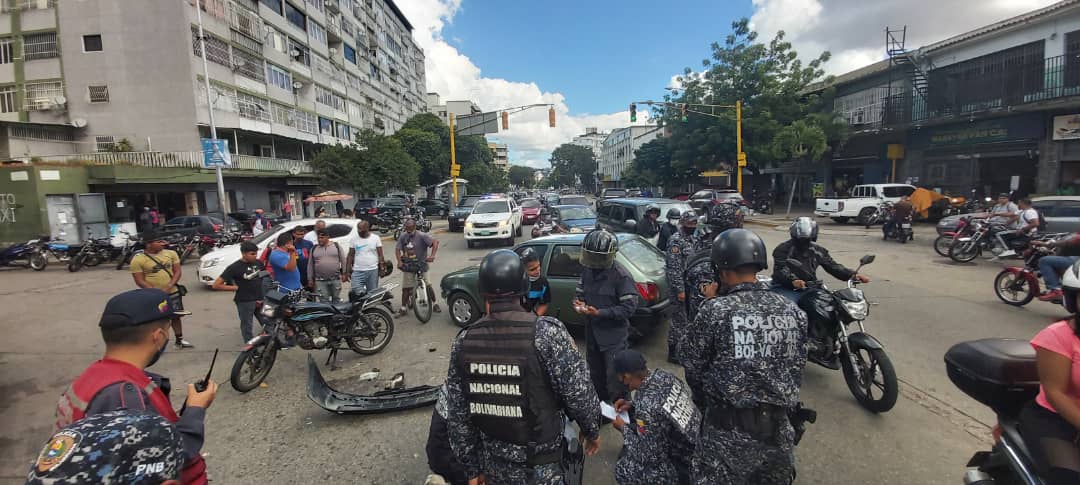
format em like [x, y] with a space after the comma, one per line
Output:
[945, 241]
[1018, 285]
[198, 244]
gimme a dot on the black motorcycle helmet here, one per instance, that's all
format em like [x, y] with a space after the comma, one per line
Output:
[804, 229]
[652, 209]
[386, 269]
[502, 274]
[598, 249]
[724, 216]
[674, 215]
[738, 247]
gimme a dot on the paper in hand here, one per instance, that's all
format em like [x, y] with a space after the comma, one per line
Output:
[609, 412]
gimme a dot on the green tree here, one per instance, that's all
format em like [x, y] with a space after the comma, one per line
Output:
[373, 165]
[801, 140]
[426, 148]
[572, 164]
[651, 167]
[485, 178]
[522, 176]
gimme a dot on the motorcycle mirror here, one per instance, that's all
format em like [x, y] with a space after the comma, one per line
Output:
[869, 258]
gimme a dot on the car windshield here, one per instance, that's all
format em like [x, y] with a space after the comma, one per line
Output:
[530, 203]
[682, 206]
[468, 201]
[704, 194]
[642, 255]
[577, 200]
[391, 201]
[729, 195]
[614, 193]
[572, 213]
[491, 207]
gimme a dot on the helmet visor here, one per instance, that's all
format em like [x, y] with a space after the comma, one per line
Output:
[597, 260]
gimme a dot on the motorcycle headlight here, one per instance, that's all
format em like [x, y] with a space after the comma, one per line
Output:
[268, 310]
[210, 263]
[857, 309]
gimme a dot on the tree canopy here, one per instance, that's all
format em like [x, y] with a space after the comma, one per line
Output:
[572, 164]
[522, 176]
[373, 165]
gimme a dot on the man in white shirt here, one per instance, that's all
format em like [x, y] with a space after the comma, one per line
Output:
[1027, 223]
[1004, 208]
[313, 235]
[365, 257]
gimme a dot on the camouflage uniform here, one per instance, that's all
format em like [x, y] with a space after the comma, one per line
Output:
[680, 249]
[662, 433]
[505, 463]
[745, 350]
[122, 446]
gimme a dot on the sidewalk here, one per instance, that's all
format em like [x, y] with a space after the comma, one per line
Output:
[780, 217]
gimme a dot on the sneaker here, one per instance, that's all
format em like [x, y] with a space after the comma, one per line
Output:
[436, 308]
[403, 311]
[182, 313]
[184, 344]
[1006, 254]
[1052, 295]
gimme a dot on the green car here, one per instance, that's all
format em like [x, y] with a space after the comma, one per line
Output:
[559, 257]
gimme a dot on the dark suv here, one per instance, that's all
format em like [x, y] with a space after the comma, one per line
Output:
[703, 199]
[622, 215]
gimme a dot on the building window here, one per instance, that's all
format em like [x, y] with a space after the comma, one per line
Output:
[105, 143]
[329, 98]
[317, 33]
[217, 50]
[276, 40]
[7, 50]
[350, 53]
[282, 115]
[299, 52]
[306, 122]
[295, 16]
[375, 74]
[279, 77]
[253, 107]
[9, 99]
[99, 94]
[41, 95]
[343, 131]
[274, 5]
[355, 113]
[40, 46]
[1072, 59]
[326, 126]
[92, 43]
[317, 5]
[248, 65]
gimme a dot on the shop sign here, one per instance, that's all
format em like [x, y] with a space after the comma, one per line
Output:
[1025, 127]
[1067, 127]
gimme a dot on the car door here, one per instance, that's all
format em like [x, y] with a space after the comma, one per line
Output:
[1064, 217]
[563, 271]
[515, 209]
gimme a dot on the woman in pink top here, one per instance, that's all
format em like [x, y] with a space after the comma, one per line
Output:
[1052, 424]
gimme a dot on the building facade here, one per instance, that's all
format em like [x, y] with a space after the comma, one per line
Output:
[118, 86]
[617, 151]
[502, 155]
[443, 110]
[993, 110]
[592, 139]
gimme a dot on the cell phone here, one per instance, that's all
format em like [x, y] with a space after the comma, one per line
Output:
[201, 385]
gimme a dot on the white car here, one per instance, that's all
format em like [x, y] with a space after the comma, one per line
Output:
[493, 219]
[212, 264]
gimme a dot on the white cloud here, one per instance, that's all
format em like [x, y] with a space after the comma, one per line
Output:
[854, 30]
[454, 76]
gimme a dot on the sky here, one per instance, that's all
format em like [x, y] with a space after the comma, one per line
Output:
[592, 59]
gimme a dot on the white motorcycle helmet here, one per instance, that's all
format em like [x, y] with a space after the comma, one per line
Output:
[1070, 286]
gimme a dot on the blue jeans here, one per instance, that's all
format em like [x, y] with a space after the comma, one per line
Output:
[365, 280]
[1050, 266]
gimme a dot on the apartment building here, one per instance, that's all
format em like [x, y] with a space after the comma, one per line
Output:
[617, 151]
[592, 139]
[502, 155]
[443, 110]
[118, 86]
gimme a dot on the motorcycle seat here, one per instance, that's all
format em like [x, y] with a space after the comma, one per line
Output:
[343, 307]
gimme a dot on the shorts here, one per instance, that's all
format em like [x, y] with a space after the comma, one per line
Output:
[176, 301]
[408, 280]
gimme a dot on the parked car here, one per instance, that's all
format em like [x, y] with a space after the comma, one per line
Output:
[247, 218]
[559, 258]
[493, 219]
[633, 193]
[574, 218]
[530, 211]
[212, 264]
[362, 206]
[203, 224]
[1062, 213]
[703, 199]
[864, 200]
[382, 207]
[622, 215]
[456, 219]
[573, 200]
[434, 207]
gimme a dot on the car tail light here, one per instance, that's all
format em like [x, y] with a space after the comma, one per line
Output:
[840, 206]
[373, 210]
[649, 291]
[217, 227]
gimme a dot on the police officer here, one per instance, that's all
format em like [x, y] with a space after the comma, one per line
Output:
[744, 357]
[606, 295]
[680, 248]
[699, 272]
[669, 228]
[512, 378]
[664, 425]
[648, 227]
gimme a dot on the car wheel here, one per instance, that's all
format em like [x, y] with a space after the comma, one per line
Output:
[463, 311]
[518, 233]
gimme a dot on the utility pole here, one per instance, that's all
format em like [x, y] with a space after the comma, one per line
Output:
[685, 108]
[222, 201]
[455, 169]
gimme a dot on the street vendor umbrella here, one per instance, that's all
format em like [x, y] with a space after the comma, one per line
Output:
[328, 196]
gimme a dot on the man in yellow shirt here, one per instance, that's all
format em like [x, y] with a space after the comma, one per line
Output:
[157, 267]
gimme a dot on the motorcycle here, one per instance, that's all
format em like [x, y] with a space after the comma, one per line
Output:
[364, 323]
[1001, 374]
[24, 254]
[422, 224]
[1018, 285]
[876, 215]
[199, 245]
[132, 245]
[761, 203]
[901, 231]
[945, 240]
[983, 238]
[92, 253]
[867, 368]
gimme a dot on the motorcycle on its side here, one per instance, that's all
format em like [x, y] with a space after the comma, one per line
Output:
[25, 254]
[364, 323]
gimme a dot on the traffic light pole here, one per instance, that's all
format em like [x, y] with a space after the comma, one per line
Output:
[740, 156]
[455, 169]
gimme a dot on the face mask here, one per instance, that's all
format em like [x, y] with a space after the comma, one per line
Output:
[157, 355]
[533, 278]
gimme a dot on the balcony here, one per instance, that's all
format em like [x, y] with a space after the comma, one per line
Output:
[191, 160]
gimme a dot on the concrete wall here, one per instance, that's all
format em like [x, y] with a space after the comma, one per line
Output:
[144, 63]
[1051, 29]
[23, 189]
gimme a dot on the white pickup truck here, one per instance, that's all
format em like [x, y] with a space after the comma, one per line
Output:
[863, 198]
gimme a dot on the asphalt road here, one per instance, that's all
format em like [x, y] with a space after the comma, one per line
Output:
[922, 305]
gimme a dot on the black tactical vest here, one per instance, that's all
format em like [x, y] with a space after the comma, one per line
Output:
[507, 389]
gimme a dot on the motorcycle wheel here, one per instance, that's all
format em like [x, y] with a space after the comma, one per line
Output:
[876, 371]
[421, 304]
[252, 366]
[1014, 289]
[122, 260]
[184, 254]
[382, 327]
[964, 252]
[942, 245]
[38, 261]
[866, 216]
[76, 263]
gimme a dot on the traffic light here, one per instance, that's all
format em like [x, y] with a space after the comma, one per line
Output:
[633, 112]
[505, 120]
[551, 117]
[684, 108]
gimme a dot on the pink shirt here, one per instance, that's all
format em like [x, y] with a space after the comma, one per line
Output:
[1059, 338]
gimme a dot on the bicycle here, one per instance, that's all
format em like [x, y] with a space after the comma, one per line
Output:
[419, 298]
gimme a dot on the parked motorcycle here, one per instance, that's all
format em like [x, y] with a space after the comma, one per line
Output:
[364, 323]
[876, 215]
[867, 369]
[132, 245]
[422, 224]
[1001, 374]
[24, 254]
[199, 245]
[1018, 285]
[761, 203]
[91, 253]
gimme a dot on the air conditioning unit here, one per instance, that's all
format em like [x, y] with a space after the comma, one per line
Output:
[59, 101]
[297, 85]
